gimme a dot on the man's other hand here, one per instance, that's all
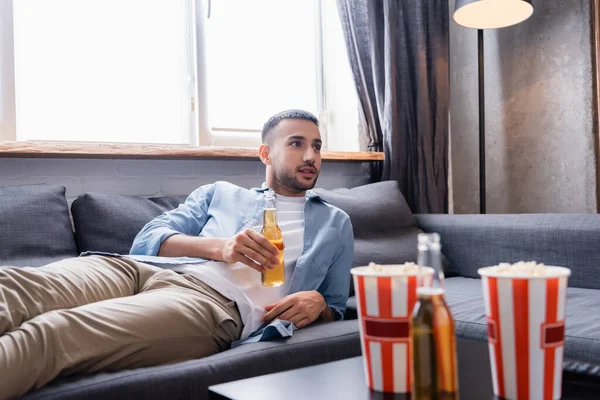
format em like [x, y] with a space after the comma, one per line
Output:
[301, 308]
[250, 248]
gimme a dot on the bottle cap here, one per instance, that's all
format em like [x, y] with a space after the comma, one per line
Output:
[269, 194]
[428, 240]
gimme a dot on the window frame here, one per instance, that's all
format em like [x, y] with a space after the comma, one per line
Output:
[8, 115]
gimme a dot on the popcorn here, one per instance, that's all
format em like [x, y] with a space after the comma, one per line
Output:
[524, 270]
[408, 268]
[521, 268]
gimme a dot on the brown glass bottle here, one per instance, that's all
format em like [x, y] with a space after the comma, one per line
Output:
[273, 277]
[433, 336]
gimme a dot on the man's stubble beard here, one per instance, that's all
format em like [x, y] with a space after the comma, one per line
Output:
[287, 179]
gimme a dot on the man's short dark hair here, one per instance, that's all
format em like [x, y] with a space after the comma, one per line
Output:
[287, 114]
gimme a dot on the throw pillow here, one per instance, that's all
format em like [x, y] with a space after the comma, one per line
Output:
[35, 228]
[109, 223]
[385, 230]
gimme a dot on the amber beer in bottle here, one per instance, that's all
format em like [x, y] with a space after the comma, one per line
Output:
[276, 276]
[434, 343]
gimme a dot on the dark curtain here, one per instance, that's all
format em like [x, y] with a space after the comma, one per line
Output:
[398, 50]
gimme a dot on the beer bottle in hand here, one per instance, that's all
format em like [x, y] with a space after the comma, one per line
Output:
[433, 339]
[276, 276]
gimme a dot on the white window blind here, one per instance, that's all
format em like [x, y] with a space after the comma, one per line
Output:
[262, 58]
[104, 70]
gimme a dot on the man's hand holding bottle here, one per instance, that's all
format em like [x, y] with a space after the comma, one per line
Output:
[250, 248]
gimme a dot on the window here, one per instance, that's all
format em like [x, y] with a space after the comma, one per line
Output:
[261, 64]
[172, 71]
[103, 70]
[264, 56]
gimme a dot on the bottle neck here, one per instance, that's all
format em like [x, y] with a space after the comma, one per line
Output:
[270, 217]
[430, 256]
[270, 213]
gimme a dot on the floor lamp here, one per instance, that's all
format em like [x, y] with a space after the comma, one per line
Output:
[480, 15]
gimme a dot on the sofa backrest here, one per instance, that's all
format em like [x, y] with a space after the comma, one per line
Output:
[385, 231]
[35, 228]
[109, 223]
[567, 240]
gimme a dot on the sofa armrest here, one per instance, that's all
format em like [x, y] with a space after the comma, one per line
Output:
[474, 241]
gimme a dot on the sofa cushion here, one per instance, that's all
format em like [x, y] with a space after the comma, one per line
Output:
[313, 345]
[109, 223]
[582, 331]
[35, 225]
[385, 230]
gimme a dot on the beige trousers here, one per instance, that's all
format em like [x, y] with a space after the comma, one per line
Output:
[104, 313]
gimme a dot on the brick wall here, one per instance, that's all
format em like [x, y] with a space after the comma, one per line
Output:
[156, 177]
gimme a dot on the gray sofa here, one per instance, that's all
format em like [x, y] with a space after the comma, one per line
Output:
[35, 228]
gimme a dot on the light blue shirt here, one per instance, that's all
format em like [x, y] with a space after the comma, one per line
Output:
[223, 210]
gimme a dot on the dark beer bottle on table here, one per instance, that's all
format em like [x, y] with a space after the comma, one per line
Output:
[273, 277]
[433, 339]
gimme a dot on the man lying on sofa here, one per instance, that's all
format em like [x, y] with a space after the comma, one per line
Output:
[165, 302]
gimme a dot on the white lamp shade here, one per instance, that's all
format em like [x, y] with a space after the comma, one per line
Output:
[491, 14]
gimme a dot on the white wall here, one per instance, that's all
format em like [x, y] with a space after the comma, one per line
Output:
[156, 177]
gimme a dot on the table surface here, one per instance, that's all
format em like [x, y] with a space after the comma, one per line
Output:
[345, 379]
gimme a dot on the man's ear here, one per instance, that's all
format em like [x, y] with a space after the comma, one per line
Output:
[263, 153]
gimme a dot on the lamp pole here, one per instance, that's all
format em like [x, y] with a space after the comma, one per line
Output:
[480, 15]
[481, 84]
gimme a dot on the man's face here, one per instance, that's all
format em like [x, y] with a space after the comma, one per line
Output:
[295, 154]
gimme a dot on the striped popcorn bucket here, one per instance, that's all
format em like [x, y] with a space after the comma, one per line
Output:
[526, 330]
[385, 303]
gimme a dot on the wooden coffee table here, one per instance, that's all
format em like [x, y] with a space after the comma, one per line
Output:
[345, 380]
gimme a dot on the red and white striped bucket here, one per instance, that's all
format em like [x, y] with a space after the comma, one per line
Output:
[526, 331]
[385, 305]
